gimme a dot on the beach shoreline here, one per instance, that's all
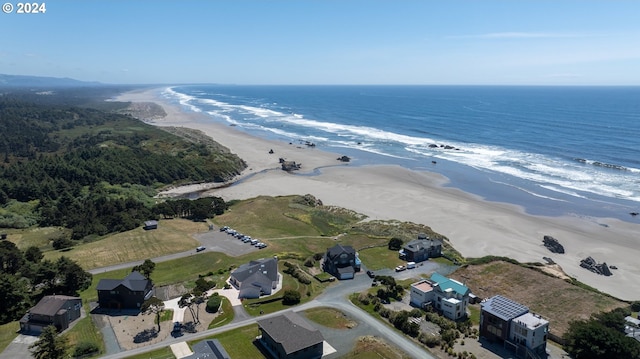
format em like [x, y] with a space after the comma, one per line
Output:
[475, 227]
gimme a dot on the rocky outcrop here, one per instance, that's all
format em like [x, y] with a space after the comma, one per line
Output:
[344, 159]
[598, 268]
[290, 166]
[552, 244]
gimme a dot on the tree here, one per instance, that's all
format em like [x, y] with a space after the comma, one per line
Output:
[291, 297]
[155, 306]
[187, 301]
[395, 243]
[50, 345]
[145, 268]
[14, 298]
[33, 254]
[590, 339]
[71, 278]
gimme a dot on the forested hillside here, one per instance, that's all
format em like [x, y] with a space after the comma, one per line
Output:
[92, 171]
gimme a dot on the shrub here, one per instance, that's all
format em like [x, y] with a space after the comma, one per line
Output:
[62, 242]
[310, 262]
[204, 285]
[213, 304]
[85, 348]
[291, 297]
[318, 256]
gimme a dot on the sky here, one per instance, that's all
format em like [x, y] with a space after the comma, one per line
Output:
[452, 42]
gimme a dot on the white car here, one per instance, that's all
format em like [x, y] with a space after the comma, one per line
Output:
[400, 268]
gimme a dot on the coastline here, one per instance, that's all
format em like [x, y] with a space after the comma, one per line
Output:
[475, 227]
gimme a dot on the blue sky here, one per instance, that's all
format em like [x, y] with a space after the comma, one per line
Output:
[521, 42]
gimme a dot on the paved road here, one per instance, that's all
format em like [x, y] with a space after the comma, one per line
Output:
[335, 297]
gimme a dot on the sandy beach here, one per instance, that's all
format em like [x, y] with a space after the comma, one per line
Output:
[475, 227]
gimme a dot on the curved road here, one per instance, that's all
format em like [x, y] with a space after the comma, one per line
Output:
[334, 297]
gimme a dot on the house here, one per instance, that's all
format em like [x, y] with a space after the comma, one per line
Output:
[56, 310]
[127, 293]
[507, 321]
[256, 278]
[209, 349]
[289, 336]
[446, 295]
[341, 261]
[152, 224]
[421, 249]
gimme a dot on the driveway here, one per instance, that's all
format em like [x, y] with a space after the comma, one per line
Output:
[19, 347]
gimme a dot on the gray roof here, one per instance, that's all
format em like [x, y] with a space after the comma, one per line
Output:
[51, 304]
[208, 349]
[267, 266]
[292, 331]
[134, 281]
[504, 308]
[338, 249]
[418, 244]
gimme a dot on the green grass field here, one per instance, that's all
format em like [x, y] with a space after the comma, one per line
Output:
[239, 343]
[85, 331]
[164, 353]
[8, 332]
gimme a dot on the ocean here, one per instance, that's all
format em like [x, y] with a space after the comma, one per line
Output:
[552, 150]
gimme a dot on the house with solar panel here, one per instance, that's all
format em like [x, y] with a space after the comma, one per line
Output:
[507, 321]
[447, 296]
[256, 278]
[127, 293]
[290, 336]
[341, 261]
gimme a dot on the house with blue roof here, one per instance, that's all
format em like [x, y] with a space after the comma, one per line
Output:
[447, 296]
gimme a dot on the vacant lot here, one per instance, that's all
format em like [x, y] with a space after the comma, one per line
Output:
[553, 298]
[172, 236]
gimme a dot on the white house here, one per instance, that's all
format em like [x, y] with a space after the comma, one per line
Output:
[445, 295]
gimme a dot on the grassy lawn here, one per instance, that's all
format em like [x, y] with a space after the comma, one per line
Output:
[172, 236]
[8, 332]
[165, 316]
[379, 257]
[85, 331]
[164, 353]
[330, 318]
[239, 343]
[548, 296]
[225, 318]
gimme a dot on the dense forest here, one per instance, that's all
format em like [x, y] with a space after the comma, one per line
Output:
[25, 278]
[94, 171]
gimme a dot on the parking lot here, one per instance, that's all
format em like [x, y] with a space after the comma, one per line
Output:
[217, 241]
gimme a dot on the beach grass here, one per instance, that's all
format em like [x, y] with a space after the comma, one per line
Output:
[370, 347]
[546, 295]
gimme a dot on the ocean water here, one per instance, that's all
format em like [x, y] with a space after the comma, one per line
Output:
[552, 150]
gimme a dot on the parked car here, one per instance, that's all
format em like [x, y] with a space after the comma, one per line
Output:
[370, 274]
[400, 268]
[411, 265]
[262, 245]
[200, 248]
[246, 240]
[224, 229]
[253, 241]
